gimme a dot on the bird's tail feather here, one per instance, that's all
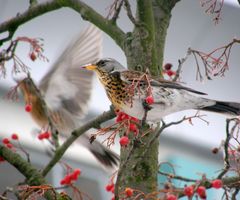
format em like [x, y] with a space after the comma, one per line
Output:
[230, 108]
[104, 155]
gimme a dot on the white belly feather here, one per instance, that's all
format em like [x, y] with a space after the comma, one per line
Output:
[166, 101]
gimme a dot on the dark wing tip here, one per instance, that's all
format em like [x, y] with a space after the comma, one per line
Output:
[107, 158]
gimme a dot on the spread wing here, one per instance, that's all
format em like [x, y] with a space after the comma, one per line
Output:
[129, 76]
[66, 87]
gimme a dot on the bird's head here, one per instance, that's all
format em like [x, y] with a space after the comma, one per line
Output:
[27, 86]
[107, 65]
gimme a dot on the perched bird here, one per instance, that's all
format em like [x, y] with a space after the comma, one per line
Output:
[128, 90]
[66, 91]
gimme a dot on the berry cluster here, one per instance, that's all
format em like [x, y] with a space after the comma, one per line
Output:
[130, 123]
[110, 188]
[70, 178]
[201, 190]
[7, 143]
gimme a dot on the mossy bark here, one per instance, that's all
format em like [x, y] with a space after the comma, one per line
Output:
[144, 49]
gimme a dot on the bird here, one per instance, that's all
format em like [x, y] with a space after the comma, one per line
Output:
[128, 90]
[66, 92]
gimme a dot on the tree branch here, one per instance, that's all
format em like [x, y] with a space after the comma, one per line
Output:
[226, 147]
[32, 175]
[129, 12]
[75, 134]
[86, 12]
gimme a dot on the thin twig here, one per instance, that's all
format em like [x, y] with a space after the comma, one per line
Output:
[172, 176]
[226, 146]
[180, 65]
[117, 8]
[129, 12]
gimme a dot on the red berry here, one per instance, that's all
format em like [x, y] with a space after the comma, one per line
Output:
[171, 197]
[1, 159]
[124, 141]
[9, 145]
[75, 174]
[201, 190]
[170, 73]
[113, 189]
[28, 108]
[188, 191]
[46, 135]
[128, 192]
[33, 56]
[67, 179]
[77, 171]
[41, 136]
[14, 136]
[5, 141]
[109, 187]
[167, 66]
[217, 183]
[63, 182]
[124, 116]
[132, 127]
[149, 100]
[121, 116]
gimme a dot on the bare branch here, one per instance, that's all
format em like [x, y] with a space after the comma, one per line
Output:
[32, 175]
[129, 12]
[114, 10]
[216, 62]
[180, 65]
[181, 178]
[226, 146]
[86, 12]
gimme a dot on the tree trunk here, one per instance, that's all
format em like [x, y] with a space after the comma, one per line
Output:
[144, 50]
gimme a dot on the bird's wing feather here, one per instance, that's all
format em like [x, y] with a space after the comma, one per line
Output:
[174, 85]
[66, 87]
[129, 76]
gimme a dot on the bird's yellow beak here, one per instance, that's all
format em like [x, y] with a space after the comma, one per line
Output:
[90, 67]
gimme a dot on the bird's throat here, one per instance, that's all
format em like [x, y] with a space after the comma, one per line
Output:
[115, 88]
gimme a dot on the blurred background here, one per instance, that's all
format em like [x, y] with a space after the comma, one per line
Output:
[187, 147]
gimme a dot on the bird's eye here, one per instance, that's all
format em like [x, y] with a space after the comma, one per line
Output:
[101, 63]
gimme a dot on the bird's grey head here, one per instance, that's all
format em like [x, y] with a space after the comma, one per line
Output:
[109, 65]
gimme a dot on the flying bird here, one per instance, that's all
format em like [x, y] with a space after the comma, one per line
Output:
[66, 91]
[128, 90]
